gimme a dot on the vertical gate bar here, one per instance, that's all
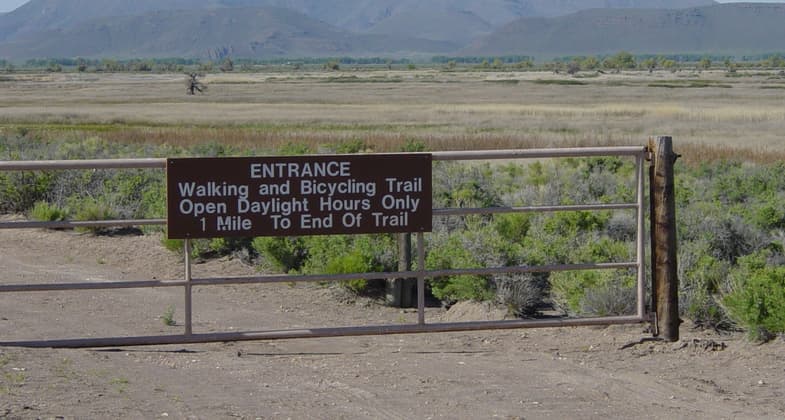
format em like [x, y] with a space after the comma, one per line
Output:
[421, 278]
[641, 239]
[188, 325]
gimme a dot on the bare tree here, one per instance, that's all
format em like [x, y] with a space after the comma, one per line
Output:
[193, 84]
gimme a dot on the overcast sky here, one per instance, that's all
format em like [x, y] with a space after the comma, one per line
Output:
[8, 5]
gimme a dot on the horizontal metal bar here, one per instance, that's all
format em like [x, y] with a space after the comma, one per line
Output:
[81, 224]
[541, 153]
[160, 163]
[46, 165]
[531, 209]
[104, 285]
[530, 269]
[218, 281]
[325, 332]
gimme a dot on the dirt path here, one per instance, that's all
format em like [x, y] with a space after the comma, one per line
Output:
[554, 373]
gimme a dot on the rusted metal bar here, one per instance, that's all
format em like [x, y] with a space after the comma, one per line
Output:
[188, 287]
[540, 153]
[48, 165]
[160, 163]
[641, 237]
[219, 281]
[421, 278]
[532, 209]
[427, 273]
[324, 332]
[82, 224]
[109, 285]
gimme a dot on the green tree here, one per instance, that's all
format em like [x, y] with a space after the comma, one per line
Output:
[704, 63]
[590, 63]
[649, 64]
[670, 65]
[621, 61]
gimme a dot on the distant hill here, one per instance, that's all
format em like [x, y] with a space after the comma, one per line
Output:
[294, 28]
[257, 32]
[733, 28]
[38, 16]
[354, 15]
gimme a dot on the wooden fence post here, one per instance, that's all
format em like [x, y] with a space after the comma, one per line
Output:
[401, 293]
[665, 287]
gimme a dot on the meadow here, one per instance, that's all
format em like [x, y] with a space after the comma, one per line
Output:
[711, 114]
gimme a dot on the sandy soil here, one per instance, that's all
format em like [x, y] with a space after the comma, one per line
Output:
[549, 373]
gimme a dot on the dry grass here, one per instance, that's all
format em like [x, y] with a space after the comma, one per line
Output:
[442, 110]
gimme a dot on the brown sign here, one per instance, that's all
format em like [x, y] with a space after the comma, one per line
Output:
[295, 196]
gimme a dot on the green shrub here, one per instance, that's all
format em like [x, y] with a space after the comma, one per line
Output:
[19, 191]
[200, 248]
[92, 210]
[351, 146]
[512, 227]
[522, 294]
[345, 254]
[353, 262]
[414, 146]
[173, 245]
[45, 212]
[168, 317]
[757, 300]
[282, 253]
[609, 300]
[702, 281]
[294, 149]
[600, 293]
[469, 249]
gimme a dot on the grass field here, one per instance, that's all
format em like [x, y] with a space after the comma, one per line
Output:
[710, 115]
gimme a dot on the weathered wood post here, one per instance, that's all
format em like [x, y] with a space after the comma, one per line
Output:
[402, 292]
[665, 287]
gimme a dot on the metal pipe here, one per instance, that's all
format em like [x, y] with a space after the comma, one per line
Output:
[529, 209]
[82, 224]
[219, 281]
[188, 287]
[160, 163]
[46, 165]
[540, 153]
[325, 332]
[61, 287]
[420, 278]
[641, 239]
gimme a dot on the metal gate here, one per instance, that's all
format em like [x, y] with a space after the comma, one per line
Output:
[639, 154]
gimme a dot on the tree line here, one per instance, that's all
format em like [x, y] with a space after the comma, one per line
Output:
[620, 61]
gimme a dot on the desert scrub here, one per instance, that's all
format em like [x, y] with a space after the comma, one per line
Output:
[478, 246]
[90, 209]
[757, 297]
[168, 316]
[282, 254]
[345, 254]
[45, 212]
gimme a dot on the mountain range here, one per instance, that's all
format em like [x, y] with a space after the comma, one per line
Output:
[298, 28]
